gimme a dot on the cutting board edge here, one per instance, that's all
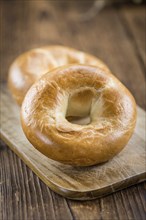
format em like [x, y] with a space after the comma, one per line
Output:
[75, 194]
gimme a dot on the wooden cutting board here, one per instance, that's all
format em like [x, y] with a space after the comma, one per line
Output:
[123, 170]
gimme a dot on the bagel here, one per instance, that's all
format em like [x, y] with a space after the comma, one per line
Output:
[30, 66]
[78, 91]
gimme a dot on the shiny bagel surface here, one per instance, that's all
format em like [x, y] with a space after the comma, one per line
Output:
[30, 66]
[78, 91]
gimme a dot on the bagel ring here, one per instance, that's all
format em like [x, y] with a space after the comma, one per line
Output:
[78, 90]
[30, 66]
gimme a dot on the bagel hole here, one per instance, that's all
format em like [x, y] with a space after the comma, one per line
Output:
[79, 106]
[79, 120]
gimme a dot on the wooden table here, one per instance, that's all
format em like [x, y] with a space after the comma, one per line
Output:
[116, 35]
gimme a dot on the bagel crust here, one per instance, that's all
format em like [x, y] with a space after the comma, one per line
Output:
[30, 66]
[78, 90]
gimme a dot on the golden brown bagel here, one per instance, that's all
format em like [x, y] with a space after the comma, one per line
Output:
[30, 66]
[78, 90]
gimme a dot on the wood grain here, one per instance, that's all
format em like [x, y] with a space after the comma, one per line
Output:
[134, 19]
[76, 183]
[116, 35]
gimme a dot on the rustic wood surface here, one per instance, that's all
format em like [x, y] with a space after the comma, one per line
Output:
[75, 182]
[116, 35]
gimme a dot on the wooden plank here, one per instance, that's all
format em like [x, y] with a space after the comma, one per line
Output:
[48, 24]
[113, 46]
[17, 180]
[26, 197]
[133, 19]
[71, 182]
